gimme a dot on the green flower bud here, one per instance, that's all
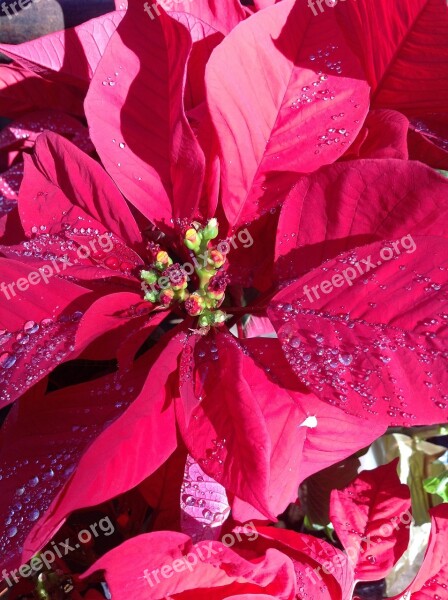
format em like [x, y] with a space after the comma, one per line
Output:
[210, 231]
[149, 276]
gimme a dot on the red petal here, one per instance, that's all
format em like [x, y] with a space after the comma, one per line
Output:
[273, 58]
[428, 141]
[205, 38]
[384, 135]
[218, 571]
[330, 434]
[37, 325]
[144, 437]
[22, 91]
[156, 162]
[371, 517]
[204, 504]
[110, 320]
[69, 56]
[9, 188]
[80, 181]
[355, 203]
[316, 563]
[23, 132]
[404, 49]
[222, 16]
[238, 458]
[376, 347]
[42, 443]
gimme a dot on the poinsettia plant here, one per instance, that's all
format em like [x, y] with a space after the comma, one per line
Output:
[223, 277]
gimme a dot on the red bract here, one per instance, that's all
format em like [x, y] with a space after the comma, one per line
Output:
[46, 75]
[404, 53]
[19, 137]
[69, 57]
[295, 95]
[261, 562]
[371, 517]
[195, 128]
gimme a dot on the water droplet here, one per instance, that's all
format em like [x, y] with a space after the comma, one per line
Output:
[7, 360]
[11, 532]
[30, 327]
[346, 359]
[34, 515]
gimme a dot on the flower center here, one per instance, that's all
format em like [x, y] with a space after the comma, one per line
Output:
[166, 281]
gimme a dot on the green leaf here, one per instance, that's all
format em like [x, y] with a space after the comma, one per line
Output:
[438, 485]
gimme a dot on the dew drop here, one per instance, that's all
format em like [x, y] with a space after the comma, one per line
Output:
[346, 359]
[34, 515]
[11, 532]
[30, 327]
[7, 360]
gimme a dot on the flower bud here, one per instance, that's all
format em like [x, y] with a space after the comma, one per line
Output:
[204, 321]
[219, 316]
[215, 258]
[166, 297]
[162, 260]
[151, 297]
[193, 239]
[149, 276]
[195, 305]
[177, 276]
[216, 287]
[210, 231]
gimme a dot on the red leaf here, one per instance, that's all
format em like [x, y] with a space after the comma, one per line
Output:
[37, 326]
[355, 203]
[376, 347]
[68, 56]
[273, 86]
[217, 572]
[22, 91]
[42, 443]
[80, 181]
[144, 437]
[144, 139]
[371, 517]
[404, 50]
